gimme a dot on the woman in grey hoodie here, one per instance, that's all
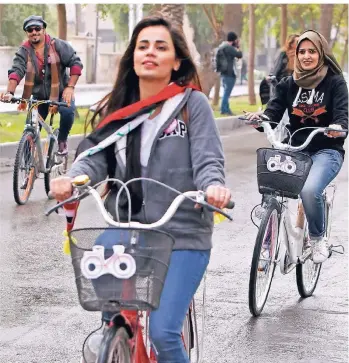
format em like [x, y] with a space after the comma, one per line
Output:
[177, 144]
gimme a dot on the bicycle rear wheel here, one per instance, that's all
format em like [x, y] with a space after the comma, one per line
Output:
[115, 346]
[56, 164]
[307, 273]
[188, 332]
[24, 168]
[264, 258]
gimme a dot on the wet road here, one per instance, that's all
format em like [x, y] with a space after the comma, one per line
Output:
[41, 320]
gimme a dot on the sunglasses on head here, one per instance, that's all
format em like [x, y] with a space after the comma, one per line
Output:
[31, 29]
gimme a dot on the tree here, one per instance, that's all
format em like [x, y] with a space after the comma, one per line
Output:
[326, 20]
[2, 39]
[12, 21]
[174, 12]
[77, 19]
[252, 35]
[62, 21]
[283, 34]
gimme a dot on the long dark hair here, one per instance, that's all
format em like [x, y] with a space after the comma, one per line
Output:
[126, 87]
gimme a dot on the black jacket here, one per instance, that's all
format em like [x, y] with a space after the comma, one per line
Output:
[330, 106]
[280, 67]
[231, 53]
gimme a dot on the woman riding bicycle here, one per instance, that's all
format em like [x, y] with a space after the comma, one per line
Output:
[316, 95]
[177, 144]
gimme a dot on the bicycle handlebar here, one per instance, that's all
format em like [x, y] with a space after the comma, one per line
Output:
[32, 100]
[87, 190]
[282, 146]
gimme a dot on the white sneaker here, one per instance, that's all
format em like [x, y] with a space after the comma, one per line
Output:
[320, 250]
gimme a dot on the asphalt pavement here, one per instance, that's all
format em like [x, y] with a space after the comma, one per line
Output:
[41, 319]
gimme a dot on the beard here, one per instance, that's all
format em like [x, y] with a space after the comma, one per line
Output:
[35, 41]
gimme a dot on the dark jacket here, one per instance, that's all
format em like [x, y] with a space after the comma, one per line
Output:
[330, 106]
[280, 67]
[42, 85]
[231, 53]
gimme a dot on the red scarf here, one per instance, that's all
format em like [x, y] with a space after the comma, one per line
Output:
[168, 92]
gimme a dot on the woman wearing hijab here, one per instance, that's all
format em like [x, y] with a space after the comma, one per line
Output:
[315, 95]
[173, 139]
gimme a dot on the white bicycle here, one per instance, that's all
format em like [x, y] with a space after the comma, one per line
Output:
[282, 239]
[127, 277]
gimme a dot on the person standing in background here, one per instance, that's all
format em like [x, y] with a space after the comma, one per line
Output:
[226, 66]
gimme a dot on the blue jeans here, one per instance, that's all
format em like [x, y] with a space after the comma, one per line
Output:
[326, 165]
[228, 83]
[66, 120]
[184, 275]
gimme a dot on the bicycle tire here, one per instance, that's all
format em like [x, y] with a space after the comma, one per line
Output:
[29, 165]
[187, 333]
[51, 162]
[257, 265]
[115, 340]
[305, 287]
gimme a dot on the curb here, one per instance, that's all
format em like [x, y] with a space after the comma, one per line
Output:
[224, 125]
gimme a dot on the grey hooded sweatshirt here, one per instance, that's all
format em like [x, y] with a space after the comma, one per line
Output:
[188, 158]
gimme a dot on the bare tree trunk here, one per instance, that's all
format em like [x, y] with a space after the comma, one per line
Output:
[283, 33]
[232, 18]
[252, 36]
[77, 19]
[338, 25]
[345, 53]
[62, 21]
[326, 13]
[1, 15]
[217, 86]
[175, 12]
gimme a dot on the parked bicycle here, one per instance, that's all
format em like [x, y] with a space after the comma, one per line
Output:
[281, 174]
[33, 158]
[127, 278]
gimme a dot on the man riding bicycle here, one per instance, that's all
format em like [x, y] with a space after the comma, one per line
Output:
[43, 61]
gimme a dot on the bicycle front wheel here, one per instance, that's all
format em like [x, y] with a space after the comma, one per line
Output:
[56, 164]
[24, 168]
[307, 273]
[264, 258]
[115, 346]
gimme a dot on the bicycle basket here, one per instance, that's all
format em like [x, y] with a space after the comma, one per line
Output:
[120, 268]
[282, 172]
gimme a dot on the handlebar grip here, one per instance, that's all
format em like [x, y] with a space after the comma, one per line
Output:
[59, 104]
[16, 100]
[230, 205]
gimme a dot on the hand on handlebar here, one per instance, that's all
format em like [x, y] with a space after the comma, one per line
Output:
[61, 188]
[6, 97]
[252, 118]
[218, 196]
[333, 134]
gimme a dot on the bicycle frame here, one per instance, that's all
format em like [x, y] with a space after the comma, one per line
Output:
[33, 123]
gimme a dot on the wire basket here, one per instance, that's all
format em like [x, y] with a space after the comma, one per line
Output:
[282, 172]
[119, 268]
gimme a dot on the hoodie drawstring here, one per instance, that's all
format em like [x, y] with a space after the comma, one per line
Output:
[310, 100]
[295, 102]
